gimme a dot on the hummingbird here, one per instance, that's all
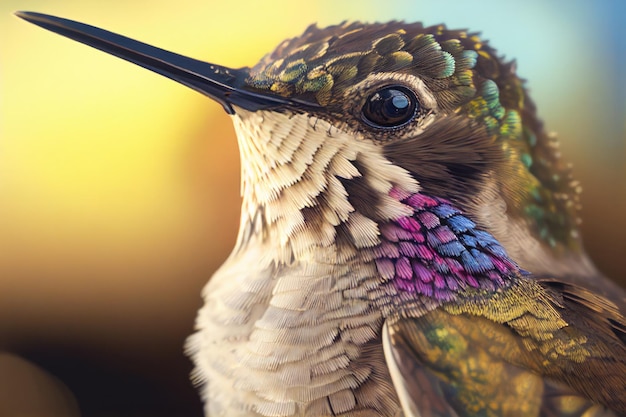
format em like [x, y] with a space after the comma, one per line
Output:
[409, 241]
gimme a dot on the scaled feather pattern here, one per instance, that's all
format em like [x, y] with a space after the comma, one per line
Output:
[438, 251]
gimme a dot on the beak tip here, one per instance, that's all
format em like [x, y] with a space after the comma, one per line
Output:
[32, 17]
[24, 15]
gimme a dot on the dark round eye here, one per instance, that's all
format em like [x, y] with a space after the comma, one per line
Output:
[390, 107]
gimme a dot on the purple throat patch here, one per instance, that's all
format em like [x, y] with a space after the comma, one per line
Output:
[438, 251]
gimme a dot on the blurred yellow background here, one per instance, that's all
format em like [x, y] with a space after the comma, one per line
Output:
[119, 188]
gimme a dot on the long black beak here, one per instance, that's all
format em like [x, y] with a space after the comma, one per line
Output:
[222, 84]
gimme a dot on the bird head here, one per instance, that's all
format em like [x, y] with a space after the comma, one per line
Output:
[337, 125]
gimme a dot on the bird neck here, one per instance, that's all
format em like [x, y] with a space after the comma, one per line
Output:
[308, 185]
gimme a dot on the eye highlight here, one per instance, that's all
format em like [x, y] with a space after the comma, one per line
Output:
[390, 107]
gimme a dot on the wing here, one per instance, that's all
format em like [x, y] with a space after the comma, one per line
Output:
[540, 347]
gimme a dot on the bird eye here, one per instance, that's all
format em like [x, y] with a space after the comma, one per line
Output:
[390, 107]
